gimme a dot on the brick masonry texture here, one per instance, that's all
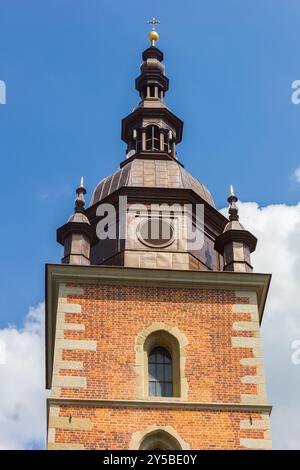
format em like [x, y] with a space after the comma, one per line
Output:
[95, 358]
[113, 428]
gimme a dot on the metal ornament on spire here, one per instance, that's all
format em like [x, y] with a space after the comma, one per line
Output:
[154, 21]
[233, 210]
[153, 35]
[80, 201]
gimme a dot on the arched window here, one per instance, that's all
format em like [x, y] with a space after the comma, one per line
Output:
[160, 374]
[159, 440]
[160, 363]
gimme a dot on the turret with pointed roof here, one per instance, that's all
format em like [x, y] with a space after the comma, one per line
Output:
[235, 243]
[77, 235]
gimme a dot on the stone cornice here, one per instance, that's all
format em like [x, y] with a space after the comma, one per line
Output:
[165, 277]
[162, 404]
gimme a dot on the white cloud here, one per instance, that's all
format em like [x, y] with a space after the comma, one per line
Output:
[296, 174]
[277, 228]
[22, 395]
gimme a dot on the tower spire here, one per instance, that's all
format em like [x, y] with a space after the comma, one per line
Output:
[152, 130]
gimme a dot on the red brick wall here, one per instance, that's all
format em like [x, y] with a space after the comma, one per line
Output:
[113, 427]
[114, 316]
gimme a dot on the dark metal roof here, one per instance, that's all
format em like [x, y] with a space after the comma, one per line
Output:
[152, 174]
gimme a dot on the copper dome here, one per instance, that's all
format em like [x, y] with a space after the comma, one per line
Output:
[149, 174]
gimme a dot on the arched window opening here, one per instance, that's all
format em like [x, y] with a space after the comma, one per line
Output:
[162, 369]
[159, 440]
[160, 357]
[152, 138]
[160, 374]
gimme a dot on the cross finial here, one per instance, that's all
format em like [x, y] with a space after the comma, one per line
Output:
[154, 21]
[153, 35]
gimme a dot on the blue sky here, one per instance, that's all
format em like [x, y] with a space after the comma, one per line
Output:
[69, 68]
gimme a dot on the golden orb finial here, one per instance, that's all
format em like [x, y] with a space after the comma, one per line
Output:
[153, 37]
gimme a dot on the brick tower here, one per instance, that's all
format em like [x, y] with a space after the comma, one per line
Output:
[153, 341]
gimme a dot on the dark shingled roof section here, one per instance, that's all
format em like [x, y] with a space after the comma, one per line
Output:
[150, 174]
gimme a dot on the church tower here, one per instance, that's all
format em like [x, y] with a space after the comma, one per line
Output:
[153, 317]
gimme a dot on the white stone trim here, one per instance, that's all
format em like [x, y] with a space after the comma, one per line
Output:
[61, 344]
[262, 444]
[77, 344]
[51, 436]
[65, 446]
[263, 423]
[253, 343]
[69, 308]
[65, 422]
[72, 381]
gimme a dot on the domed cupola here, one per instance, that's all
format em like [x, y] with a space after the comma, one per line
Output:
[142, 173]
[151, 174]
[110, 231]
